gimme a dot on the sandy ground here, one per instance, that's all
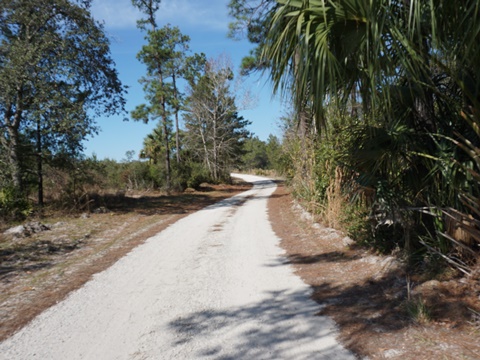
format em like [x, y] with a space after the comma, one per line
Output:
[214, 285]
[367, 293]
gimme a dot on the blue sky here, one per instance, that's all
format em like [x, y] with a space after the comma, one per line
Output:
[206, 22]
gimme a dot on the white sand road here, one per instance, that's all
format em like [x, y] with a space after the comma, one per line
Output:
[214, 285]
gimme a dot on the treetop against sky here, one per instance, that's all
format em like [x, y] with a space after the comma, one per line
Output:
[206, 23]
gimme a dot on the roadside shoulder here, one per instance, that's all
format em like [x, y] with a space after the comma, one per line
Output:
[366, 294]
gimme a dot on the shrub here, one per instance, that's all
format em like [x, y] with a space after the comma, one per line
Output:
[198, 174]
[13, 205]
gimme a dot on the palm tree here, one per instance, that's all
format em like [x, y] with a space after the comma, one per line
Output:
[153, 146]
[412, 66]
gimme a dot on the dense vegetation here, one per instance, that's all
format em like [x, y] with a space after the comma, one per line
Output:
[386, 99]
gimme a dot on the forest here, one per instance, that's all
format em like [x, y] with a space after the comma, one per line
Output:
[382, 140]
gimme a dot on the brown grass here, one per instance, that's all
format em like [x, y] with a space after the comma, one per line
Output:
[332, 214]
[381, 313]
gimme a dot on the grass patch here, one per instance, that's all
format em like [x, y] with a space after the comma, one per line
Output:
[417, 310]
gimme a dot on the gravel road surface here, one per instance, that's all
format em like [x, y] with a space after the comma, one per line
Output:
[214, 285]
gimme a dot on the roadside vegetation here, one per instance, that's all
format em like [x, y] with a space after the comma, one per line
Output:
[381, 142]
[383, 138]
[57, 76]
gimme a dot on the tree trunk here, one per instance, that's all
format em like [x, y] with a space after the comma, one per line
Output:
[205, 149]
[13, 152]
[215, 150]
[151, 19]
[39, 166]
[12, 123]
[165, 130]
[177, 138]
[167, 152]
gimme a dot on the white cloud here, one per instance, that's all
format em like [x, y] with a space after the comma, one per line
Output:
[209, 14]
[115, 13]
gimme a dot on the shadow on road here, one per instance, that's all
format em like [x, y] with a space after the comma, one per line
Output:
[281, 326]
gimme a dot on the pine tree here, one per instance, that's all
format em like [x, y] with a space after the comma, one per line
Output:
[215, 131]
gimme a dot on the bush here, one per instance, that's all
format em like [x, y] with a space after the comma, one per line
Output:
[198, 174]
[189, 174]
[13, 204]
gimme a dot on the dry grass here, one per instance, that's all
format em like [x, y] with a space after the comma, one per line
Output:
[381, 313]
[336, 200]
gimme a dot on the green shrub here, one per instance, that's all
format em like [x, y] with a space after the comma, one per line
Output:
[13, 205]
[356, 222]
[417, 310]
[198, 174]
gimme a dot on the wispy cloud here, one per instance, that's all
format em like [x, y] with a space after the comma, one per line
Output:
[119, 14]
[115, 13]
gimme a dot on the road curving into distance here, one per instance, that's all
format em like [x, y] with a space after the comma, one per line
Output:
[214, 285]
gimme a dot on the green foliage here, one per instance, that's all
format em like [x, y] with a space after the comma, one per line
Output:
[215, 132]
[190, 174]
[403, 80]
[356, 222]
[260, 155]
[138, 175]
[274, 153]
[111, 172]
[251, 21]
[255, 156]
[198, 175]
[166, 60]
[153, 146]
[13, 204]
[56, 75]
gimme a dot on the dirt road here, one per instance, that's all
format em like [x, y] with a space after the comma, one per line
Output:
[214, 285]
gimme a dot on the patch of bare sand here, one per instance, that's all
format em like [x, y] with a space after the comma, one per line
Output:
[366, 294]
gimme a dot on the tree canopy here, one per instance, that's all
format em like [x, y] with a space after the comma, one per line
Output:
[251, 19]
[56, 75]
[215, 131]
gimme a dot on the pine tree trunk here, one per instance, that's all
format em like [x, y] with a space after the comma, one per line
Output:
[165, 132]
[39, 166]
[177, 137]
[167, 152]
[13, 152]
[12, 123]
